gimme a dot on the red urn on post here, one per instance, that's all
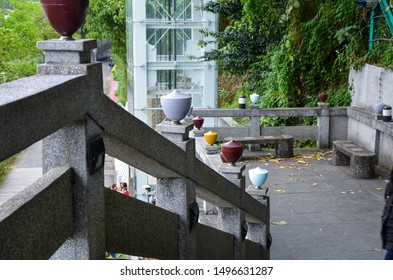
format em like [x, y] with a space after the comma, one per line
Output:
[322, 96]
[198, 122]
[231, 152]
[65, 16]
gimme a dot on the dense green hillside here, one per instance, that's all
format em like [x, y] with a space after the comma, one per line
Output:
[289, 51]
[20, 28]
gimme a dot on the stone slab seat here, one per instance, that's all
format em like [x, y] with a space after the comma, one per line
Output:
[283, 143]
[362, 161]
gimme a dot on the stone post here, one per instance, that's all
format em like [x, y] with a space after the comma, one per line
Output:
[207, 207]
[178, 194]
[260, 233]
[323, 141]
[255, 126]
[233, 173]
[72, 145]
[197, 132]
[232, 220]
[178, 134]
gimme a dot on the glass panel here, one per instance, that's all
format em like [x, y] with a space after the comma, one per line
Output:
[162, 41]
[171, 44]
[130, 51]
[182, 36]
[169, 10]
[167, 44]
[187, 81]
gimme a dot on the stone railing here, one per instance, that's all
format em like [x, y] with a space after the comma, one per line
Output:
[69, 214]
[331, 123]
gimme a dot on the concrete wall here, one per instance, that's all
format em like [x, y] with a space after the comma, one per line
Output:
[370, 85]
[362, 134]
[338, 128]
[385, 158]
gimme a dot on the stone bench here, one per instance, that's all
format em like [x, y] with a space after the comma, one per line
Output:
[362, 161]
[283, 143]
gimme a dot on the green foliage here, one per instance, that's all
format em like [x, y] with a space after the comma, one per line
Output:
[289, 51]
[20, 29]
[120, 75]
[381, 54]
[107, 21]
[229, 85]
[315, 55]
[246, 39]
[5, 166]
[228, 9]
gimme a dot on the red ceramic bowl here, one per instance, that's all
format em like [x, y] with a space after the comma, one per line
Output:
[65, 16]
[232, 151]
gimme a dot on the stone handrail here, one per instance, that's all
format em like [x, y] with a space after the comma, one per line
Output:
[259, 112]
[70, 112]
[328, 119]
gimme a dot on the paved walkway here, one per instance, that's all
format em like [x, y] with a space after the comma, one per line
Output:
[318, 210]
[26, 170]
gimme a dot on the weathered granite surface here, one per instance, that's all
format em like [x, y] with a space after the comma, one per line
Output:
[362, 161]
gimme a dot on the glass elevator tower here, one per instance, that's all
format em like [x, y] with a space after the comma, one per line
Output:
[163, 54]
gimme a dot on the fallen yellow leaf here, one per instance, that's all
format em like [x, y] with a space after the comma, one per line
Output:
[280, 223]
[317, 157]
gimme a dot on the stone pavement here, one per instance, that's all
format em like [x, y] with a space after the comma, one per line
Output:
[318, 210]
[326, 213]
[26, 170]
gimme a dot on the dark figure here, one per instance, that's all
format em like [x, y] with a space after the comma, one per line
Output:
[124, 188]
[110, 65]
[387, 220]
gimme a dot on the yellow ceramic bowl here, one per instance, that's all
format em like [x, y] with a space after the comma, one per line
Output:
[210, 137]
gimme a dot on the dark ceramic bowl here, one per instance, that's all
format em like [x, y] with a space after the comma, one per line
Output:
[65, 16]
[232, 151]
[198, 122]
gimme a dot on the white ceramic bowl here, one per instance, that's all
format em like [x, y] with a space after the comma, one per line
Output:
[176, 105]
